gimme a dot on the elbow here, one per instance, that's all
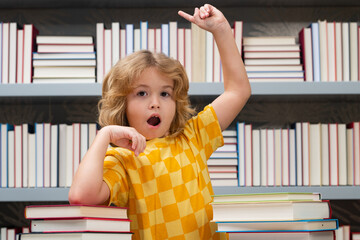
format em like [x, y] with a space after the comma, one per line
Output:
[75, 197]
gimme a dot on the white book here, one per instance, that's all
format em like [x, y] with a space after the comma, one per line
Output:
[323, 51]
[315, 154]
[92, 133]
[165, 39]
[12, 52]
[107, 51]
[270, 140]
[64, 56]
[350, 155]
[76, 146]
[64, 48]
[45, 39]
[305, 153]
[100, 33]
[353, 48]
[224, 182]
[122, 43]
[263, 157]
[345, 52]
[84, 139]
[321, 235]
[20, 56]
[222, 162]
[173, 40]
[285, 157]
[63, 62]
[158, 44]
[39, 160]
[64, 72]
[342, 160]
[325, 167]
[238, 34]
[292, 158]
[143, 35]
[3, 156]
[299, 165]
[69, 156]
[11, 156]
[308, 52]
[5, 53]
[25, 155]
[338, 51]
[115, 42]
[331, 48]
[181, 46]
[241, 153]
[62, 154]
[333, 154]
[151, 40]
[47, 156]
[209, 57]
[277, 157]
[18, 141]
[137, 39]
[216, 63]
[248, 155]
[356, 153]
[32, 157]
[188, 63]
[54, 153]
[256, 171]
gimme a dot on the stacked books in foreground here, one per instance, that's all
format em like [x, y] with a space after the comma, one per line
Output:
[64, 59]
[280, 216]
[272, 59]
[59, 222]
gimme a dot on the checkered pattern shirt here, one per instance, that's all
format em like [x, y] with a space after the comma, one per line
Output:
[167, 188]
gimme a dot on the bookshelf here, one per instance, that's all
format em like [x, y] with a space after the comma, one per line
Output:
[77, 102]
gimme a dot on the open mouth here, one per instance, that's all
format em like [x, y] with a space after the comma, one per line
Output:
[154, 121]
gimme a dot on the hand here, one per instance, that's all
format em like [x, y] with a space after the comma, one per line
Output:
[126, 137]
[207, 17]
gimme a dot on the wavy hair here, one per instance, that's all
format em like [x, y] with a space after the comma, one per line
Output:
[118, 83]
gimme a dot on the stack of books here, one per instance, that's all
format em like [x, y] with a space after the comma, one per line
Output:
[223, 163]
[272, 59]
[85, 222]
[300, 216]
[64, 59]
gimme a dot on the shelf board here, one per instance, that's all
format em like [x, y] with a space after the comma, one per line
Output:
[61, 194]
[196, 89]
[166, 3]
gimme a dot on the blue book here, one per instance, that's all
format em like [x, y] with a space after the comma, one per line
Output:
[313, 225]
[316, 51]
[143, 35]
[165, 39]
[129, 29]
[240, 128]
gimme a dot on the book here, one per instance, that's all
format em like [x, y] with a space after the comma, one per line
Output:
[80, 225]
[73, 211]
[321, 235]
[271, 211]
[273, 40]
[75, 236]
[281, 226]
[64, 56]
[61, 48]
[64, 39]
[256, 197]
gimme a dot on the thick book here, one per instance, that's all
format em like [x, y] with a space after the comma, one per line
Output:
[73, 211]
[271, 211]
[322, 235]
[64, 40]
[279, 226]
[257, 197]
[75, 236]
[80, 225]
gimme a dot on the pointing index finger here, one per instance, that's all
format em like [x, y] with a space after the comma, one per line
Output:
[186, 16]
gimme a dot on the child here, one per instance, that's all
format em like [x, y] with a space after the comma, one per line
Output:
[157, 165]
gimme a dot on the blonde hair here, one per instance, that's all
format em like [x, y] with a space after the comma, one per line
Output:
[118, 83]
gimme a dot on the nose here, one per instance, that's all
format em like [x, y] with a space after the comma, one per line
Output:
[154, 103]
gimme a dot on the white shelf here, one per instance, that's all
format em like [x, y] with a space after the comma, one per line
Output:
[196, 89]
[61, 194]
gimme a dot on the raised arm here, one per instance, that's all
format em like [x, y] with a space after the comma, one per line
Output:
[88, 186]
[237, 88]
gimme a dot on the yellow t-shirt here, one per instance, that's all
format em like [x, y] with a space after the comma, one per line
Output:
[167, 188]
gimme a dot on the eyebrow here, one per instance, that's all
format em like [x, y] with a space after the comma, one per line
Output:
[147, 86]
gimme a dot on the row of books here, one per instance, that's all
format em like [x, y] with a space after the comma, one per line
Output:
[64, 59]
[274, 216]
[330, 51]
[43, 154]
[307, 154]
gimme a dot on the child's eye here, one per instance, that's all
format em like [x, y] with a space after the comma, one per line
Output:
[141, 93]
[165, 94]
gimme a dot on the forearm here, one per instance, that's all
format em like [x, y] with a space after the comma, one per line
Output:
[88, 186]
